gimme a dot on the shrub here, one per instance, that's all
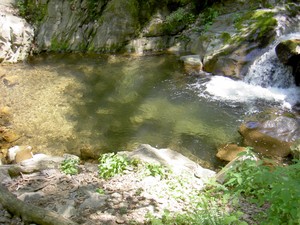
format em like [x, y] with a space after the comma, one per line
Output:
[279, 187]
[70, 166]
[111, 164]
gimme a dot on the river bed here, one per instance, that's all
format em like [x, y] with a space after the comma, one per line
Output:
[64, 103]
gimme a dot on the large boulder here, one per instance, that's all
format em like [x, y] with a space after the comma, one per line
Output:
[192, 64]
[233, 40]
[288, 53]
[175, 161]
[16, 35]
[272, 136]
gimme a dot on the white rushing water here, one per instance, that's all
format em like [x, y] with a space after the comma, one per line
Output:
[267, 79]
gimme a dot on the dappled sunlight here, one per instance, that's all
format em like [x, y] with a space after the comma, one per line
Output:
[65, 103]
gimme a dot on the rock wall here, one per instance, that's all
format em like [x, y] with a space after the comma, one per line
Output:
[16, 35]
[75, 26]
[227, 42]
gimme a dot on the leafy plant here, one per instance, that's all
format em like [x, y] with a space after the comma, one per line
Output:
[111, 164]
[177, 20]
[279, 187]
[100, 191]
[70, 166]
[208, 17]
[32, 11]
[156, 170]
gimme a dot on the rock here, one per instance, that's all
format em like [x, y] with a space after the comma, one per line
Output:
[4, 116]
[103, 27]
[31, 196]
[95, 201]
[233, 164]
[229, 152]
[16, 36]
[175, 161]
[10, 80]
[88, 152]
[3, 155]
[25, 152]
[288, 53]
[287, 50]
[192, 64]
[273, 136]
[38, 162]
[295, 149]
[9, 135]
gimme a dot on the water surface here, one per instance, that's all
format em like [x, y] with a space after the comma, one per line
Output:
[64, 103]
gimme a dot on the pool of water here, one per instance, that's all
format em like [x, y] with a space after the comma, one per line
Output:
[64, 103]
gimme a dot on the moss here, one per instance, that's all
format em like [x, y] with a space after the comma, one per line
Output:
[58, 45]
[225, 37]
[257, 26]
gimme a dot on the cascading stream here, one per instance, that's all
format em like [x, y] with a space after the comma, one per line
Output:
[267, 80]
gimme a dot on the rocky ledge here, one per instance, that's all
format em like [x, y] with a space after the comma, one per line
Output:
[85, 198]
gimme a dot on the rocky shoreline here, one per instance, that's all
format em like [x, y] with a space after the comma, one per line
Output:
[86, 198]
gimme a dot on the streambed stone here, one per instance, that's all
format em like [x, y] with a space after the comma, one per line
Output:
[273, 135]
[192, 64]
[229, 152]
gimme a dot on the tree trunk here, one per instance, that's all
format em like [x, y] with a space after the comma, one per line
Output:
[30, 213]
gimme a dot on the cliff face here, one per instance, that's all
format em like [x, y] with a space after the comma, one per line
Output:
[76, 26]
[226, 41]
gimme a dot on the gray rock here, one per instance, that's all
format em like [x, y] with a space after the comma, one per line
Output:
[175, 161]
[31, 196]
[94, 201]
[16, 36]
[271, 134]
[288, 53]
[67, 210]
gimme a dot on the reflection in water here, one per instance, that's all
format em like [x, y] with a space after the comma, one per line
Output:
[63, 103]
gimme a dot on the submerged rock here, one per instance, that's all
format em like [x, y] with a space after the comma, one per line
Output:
[288, 53]
[229, 152]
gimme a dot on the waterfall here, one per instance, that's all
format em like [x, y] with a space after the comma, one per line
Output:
[268, 71]
[267, 80]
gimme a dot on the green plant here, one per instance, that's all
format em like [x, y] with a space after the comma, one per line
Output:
[32, 11]
[279, 187]
[208, 17]
[225, 37]
[100, 191]
[69, 166]
[178, 20]
[111, 164]
[156, 170]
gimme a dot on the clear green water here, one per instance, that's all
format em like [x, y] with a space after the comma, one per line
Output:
[63, 103]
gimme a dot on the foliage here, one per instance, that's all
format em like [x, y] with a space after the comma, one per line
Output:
[210, 208]
[208, 17]
[275, 187]
[32, 11]
[256, 25]
[111, 164]
[156, 170]
[177, 20]
[279, 187]
[70, 166]
[100, 191]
